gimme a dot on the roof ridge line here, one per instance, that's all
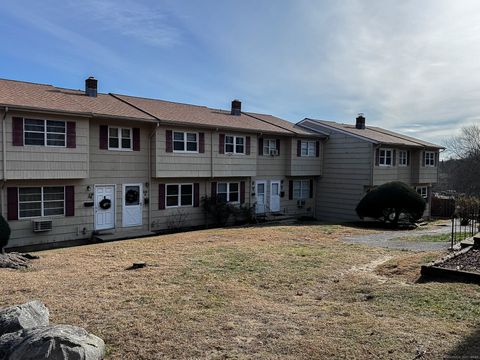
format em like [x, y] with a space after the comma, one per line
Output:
[268, 122]
[133, 106]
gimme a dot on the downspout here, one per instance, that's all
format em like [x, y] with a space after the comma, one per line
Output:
[150, 176]
[4, 157]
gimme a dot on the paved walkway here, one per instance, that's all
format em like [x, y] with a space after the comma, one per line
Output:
[392, 239]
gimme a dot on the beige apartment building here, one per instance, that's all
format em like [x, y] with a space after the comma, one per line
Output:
[80, 164]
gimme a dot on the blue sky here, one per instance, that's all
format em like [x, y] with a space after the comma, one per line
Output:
[410, 66]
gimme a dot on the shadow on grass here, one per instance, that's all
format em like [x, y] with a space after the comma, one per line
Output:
[468, 348]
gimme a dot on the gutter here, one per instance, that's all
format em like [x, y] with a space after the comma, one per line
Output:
[150, 175]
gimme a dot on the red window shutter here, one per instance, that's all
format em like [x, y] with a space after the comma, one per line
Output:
[317, 149]
[136, 139]
[424, 158]
[71, 134]
[377, 157]
[168, 141]
[247, 145]
[242, 192]
[221, 143]
[260, 146]
[278, 146]
[290, 190]
[12, 203]
[299, 148]
[69, 201]
[311, 189]
[201, 143]
[394, 157]
[213, 190]
[408, 157]
[104, 137]
[196, 195]
[161, 196]
[17, 131]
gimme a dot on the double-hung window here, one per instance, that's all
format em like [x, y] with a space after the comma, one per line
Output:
[429, 158]
[119, 138]
[185, 141]
[270, 147]
[385, 157]
[234, 144]
[179, 195]
[403, 158]
[301, 189]
[228, 192]
[41, 201]
[44, 132]
[308, 148]
[423, 191]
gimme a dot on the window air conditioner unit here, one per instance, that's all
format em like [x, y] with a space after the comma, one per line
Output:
[273, 152]
[42, 225]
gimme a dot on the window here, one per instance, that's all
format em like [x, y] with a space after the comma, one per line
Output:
[429, 158]
[179, 195]
[403, 158]
[185, 142]
[41, 201]
[234, 144]
[228, 192]
[423, 191]
[119, 138]
[270, 147]
[385, 157]
[44, 132]
[301, 189]
[308, 148]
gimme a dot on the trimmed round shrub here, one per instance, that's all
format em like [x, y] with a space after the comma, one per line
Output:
[391, 200]
[4, 233]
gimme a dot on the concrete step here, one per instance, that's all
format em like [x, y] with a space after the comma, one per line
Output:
[122, 235]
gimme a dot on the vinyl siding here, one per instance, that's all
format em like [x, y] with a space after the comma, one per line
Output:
[46, 162]
[303, 165]
[423, 174]
[268, 165]
[347, 166]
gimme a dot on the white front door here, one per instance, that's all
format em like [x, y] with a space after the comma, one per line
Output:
[104, 208]
[132, 205]
[261, 196]
[274, 196]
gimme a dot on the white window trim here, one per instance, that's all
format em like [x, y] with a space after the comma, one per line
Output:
[235, 137]
[421, 188]
[45, 132]
[308, 142]
[433, 158]
[179, 196]
[42, 208]
[185, 142]
[304, 181]
[385, 157]
[120, 148]
[269, 141]
[228, 191]
[400, 152]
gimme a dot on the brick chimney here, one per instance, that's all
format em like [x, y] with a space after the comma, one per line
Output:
[360, 124]
[91, 87]
[236, 107]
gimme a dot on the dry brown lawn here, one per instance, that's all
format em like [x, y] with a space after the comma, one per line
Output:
[290, 292]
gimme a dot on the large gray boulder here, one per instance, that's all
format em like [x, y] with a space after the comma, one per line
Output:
[25, 316]
[55, 342]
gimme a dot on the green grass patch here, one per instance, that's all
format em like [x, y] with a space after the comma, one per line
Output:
[429, 238]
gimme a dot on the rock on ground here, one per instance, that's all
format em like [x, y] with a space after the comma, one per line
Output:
[55, 342]
[16, 260]
[20, 317]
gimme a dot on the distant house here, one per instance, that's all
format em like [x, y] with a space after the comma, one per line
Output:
[357, 158]
[81, 163]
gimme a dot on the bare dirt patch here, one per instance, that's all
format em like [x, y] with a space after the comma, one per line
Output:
[258, 292]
